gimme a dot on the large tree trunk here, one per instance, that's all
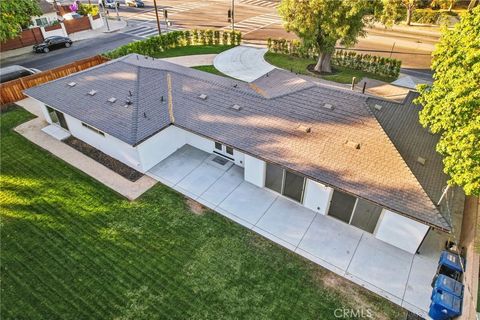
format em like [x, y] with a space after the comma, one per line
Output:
[471, 5]
[323, 63]
[409, 16]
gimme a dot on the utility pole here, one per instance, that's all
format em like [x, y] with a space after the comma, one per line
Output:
[105, 15]
[233, 15]
[156, 15]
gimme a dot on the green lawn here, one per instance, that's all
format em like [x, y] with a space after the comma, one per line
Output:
[211, 69]
[299, 65]
[73, 249]
[191, 50]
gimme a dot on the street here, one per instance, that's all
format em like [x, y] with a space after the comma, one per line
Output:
[256, 19]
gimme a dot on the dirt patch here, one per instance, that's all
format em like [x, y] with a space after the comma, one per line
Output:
[356, 296]
[196, 207]
[102, 158]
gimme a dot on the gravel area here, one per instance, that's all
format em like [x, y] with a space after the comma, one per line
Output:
[104, 159]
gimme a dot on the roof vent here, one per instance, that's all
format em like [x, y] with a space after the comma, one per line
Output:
[128, 102]
[328, 106]
[112, 100]
[304, 128]
[353, 144]
[421, 160]
[203, 96]
[92, 92]
[378, 107]
[72, 84]
[236, 107]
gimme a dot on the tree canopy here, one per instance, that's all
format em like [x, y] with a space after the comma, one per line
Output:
[16, 15]
[323, 23]
[451, 106]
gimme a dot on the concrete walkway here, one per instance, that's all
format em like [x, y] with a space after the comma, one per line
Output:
[194, 60]
[394, 274]
[245, 63]
[32, 130]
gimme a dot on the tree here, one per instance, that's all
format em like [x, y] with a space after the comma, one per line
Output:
[321, 23]
[392, 12]
[395, 11]
[451, 105]
[16, 15]
[443, 4]
[409, 6]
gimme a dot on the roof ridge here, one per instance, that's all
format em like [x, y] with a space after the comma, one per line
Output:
[409, 170]
[136, 105]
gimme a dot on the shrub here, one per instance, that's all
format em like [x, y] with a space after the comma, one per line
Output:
[428, 16]
[85, 9]
[153, 45]
[342, 58]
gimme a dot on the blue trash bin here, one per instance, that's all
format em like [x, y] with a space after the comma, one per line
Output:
[452, 261]
[449, 285]
[445, 306]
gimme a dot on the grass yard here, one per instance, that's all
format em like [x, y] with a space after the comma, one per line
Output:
[191, 50]
[73, 249]
[299, 65]
[211, 69]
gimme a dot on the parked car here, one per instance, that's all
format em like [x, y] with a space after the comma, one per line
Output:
[135, 3]
[109, 4]
[52, 43]
[15, 72]
[71, 16]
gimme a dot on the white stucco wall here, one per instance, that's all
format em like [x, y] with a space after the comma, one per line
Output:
[400, 231]
[160, 146]
[255, 171]
[317, 196]
[95, 23]
[57, 32]
[43, 108]
[107, 144]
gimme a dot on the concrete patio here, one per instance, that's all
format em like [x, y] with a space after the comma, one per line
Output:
[350, 252]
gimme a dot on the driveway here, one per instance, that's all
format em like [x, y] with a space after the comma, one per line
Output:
[244, 63]
[392, 273]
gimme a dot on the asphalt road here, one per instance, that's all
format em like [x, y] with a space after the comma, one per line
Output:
[79, 50]
[258, 23]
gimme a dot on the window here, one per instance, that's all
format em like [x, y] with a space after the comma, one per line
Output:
[218, 146]
[57, 117]
[284, 182]
[93, 129]
[229, 150]
[41, 22]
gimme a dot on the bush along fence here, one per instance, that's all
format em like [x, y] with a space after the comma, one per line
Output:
[156, 44]
[343, 58]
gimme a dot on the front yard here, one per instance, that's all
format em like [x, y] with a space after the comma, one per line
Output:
[339, 74]
[72, 248]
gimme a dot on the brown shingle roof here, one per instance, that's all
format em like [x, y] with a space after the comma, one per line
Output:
[266, 128]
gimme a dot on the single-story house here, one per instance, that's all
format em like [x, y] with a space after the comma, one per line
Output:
[362, 160]
[49, 14]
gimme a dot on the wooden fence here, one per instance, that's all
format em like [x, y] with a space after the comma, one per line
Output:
[28, 37]
[12, 91]
[76, 25]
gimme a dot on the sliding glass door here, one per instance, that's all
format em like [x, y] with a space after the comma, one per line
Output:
[357, 212]
[285, 182]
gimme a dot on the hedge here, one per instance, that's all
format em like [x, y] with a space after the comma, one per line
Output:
[342, 58]
[428, 16]
[156, 44]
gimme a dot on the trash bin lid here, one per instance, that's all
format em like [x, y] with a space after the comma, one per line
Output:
[451, 260]
[448, 301]
[445, 283]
